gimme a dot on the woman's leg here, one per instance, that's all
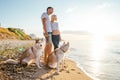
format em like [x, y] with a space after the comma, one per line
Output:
[55, 39]
[58, 40]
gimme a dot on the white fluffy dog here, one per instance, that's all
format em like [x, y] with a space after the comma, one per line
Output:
[33, 54]
[56, 56]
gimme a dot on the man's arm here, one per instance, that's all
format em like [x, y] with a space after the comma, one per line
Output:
[44, 27]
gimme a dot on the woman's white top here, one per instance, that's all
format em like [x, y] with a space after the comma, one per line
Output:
[54, 26]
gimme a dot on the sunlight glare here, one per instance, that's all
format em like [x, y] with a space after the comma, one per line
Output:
[98, 46]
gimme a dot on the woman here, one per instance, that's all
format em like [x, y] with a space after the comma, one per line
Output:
[55, 31]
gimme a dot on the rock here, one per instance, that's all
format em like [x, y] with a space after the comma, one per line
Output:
[67, 71]
[73, 69]
[11, 61]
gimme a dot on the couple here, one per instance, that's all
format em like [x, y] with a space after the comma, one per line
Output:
[51, 32]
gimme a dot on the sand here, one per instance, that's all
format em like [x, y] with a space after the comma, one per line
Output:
[70, 72]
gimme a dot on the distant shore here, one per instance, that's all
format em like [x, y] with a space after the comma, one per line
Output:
[71, 71]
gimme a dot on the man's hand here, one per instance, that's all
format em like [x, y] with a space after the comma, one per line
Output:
[46, 35]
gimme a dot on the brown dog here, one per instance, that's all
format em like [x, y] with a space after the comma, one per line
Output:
[56, 56]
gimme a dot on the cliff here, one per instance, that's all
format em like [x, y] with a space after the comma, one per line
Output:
[13, 33]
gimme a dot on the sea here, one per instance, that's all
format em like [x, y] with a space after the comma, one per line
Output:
[98, 57]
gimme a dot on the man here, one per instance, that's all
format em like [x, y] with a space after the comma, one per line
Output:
[47, 32]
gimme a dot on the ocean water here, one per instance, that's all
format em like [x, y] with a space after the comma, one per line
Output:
[98, 58]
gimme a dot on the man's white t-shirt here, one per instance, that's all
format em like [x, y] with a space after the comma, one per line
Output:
[48, 23]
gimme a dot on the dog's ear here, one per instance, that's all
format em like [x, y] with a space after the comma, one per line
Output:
[37, 41]
[42, 39]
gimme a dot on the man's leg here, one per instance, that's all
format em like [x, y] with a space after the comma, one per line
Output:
[48, 47]
[47, 51]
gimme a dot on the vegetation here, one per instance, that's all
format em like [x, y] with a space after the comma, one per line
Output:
[13, 33]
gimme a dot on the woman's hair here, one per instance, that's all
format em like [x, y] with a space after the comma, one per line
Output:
[53, 15]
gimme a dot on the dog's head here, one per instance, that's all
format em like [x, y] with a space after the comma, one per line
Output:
[65, 46]
[39, 43]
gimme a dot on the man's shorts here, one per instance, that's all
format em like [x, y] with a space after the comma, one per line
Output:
[49, 39]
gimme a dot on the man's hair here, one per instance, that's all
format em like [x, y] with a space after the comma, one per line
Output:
[49, 8]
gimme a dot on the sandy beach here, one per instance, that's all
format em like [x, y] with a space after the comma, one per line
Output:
[16, 72]
[70, 72]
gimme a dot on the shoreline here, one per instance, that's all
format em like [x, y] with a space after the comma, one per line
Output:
[82, 69]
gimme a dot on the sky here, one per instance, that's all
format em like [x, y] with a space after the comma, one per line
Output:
[95, 16]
